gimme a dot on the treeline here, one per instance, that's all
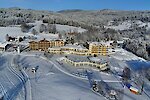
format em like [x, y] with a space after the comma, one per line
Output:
[133, 17]
[69, 22]
[14, 21]
[49, 28]
[96, 35]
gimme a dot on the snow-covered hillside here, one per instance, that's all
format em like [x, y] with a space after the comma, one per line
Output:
[128, 25]
[123, 26]
[66, 28]
[12, 31]
[60, 28]
[15, 31]
[124, 55]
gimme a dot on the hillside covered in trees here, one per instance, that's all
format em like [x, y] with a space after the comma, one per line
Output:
[100, 25]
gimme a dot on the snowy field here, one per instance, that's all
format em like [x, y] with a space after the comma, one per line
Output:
[60, 28]
[16, 31]
[66, 28]
[131, 60]
[12, 31]
[124, 55]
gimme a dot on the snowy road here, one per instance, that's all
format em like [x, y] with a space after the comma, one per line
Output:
[11, 81]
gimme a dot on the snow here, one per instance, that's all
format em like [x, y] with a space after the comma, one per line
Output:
[123, 26]
[101, 59]
[127, 25]
[52, 81]
[41, 36]
[148, 26]
[131, 60]
[12, 31]
[66, 28]
[15, 31]
[48, 82]
[124, 55]
[11, 81]
[60, 28]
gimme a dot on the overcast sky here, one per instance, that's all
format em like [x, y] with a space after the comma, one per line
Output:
[56, 5]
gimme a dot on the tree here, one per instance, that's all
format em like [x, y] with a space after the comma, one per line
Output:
[72, 41]
[54, 29]
[34, 32]
[24, 27]
[42, 28]
[86, 44]
[51, 28]
[20, 39]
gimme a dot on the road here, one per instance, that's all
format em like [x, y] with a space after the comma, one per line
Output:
[11, 81]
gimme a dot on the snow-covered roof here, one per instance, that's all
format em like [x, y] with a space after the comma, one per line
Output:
[98, 59]
[54, 48]
[76, 58]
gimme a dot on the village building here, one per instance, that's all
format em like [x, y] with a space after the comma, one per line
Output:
[44, 44]
[59, 43]
[96, 48]
[82, 62]
[59, 47]
[33, 45]
[69, 49]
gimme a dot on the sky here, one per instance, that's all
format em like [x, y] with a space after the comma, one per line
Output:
[56, 5]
